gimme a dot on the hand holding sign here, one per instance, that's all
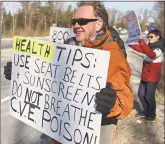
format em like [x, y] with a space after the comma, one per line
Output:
[7, 70]
[105, 99]
[134, 29]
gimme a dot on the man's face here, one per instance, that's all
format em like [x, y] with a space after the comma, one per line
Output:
[88, 30]
[153, 38]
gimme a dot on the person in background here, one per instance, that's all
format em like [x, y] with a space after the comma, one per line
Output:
[152, 27]
[151, 71]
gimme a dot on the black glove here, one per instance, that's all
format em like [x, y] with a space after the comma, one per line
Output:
[8, 70]
[106, 99]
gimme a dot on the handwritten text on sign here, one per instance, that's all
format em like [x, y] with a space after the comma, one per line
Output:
[59, 35]
[134, 29]
[56, 95]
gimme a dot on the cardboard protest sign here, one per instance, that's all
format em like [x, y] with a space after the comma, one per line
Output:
[59, 35]
[53, 89]
[134, 29]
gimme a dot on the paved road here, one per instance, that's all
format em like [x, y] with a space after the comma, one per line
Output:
[8, 43]
[16, 132]
[12, 130]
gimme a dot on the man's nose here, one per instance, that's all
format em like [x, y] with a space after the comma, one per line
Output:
[76, 25]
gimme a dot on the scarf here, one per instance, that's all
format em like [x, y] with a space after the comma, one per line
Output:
[101, 37]
[158, 44]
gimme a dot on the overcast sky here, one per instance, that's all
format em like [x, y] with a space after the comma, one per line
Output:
[122, 6]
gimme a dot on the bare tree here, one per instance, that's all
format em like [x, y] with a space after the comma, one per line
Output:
[159, 8]
[33, 8]
[1, 15]
[112, 13]
[56, 7]
[25, 6]
[144, 16]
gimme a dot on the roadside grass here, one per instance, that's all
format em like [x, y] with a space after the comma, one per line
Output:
[22, 32]
[160, 97]
[160, 93]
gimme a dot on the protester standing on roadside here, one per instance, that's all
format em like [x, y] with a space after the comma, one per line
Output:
[151, 71]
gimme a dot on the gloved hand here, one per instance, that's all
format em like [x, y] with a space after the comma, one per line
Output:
[105, 99]
[8, 70]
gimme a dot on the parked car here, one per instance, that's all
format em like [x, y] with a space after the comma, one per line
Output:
[124, 31]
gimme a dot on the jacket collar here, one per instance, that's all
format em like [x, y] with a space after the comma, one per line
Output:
[158, 44]
[101, 37]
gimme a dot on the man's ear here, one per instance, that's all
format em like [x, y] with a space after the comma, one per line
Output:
[99, 25]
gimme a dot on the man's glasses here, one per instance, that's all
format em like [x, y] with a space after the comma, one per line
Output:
[151, 37]
[82, 21]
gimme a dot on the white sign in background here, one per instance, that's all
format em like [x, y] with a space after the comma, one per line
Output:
[57, 97]
[59, 35]
[134, 29]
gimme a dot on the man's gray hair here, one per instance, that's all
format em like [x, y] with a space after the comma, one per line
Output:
[99, 9]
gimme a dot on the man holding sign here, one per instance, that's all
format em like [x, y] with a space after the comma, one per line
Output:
[116, 100]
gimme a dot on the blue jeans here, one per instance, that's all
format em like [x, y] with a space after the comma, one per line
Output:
[146, 94]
